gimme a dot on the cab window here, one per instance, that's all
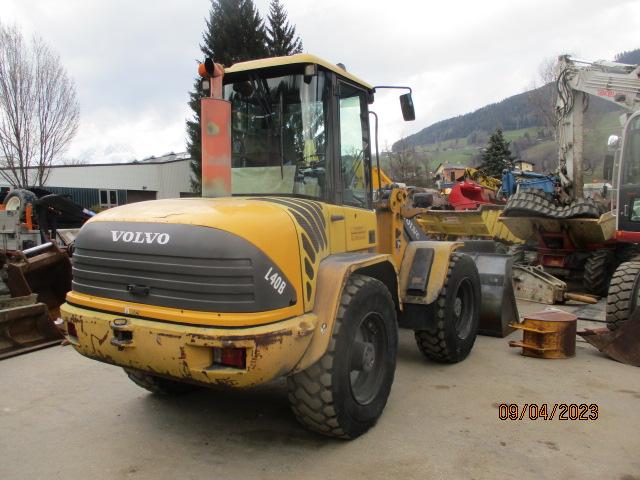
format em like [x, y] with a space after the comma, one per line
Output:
[355, 165]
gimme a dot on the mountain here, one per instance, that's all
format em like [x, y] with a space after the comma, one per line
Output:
[512, 113]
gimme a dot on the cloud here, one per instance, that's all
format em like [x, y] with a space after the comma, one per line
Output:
[134, 62]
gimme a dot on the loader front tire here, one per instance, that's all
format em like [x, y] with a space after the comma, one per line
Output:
[344, 393]
[159, 385]
[454, 327]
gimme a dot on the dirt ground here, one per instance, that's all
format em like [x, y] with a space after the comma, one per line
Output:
[65, 416]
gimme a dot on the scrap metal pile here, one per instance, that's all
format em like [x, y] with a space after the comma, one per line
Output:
[35, 267]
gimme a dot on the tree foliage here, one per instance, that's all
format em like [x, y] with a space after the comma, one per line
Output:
[39, 113]
[282, 39]
[234, 33]
[497, 155]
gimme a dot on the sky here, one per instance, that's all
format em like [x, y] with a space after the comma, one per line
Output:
[134, 62]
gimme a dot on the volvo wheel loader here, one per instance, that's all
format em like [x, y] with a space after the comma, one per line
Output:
[291, 265]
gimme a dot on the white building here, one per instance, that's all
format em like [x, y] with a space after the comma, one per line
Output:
[110, 184]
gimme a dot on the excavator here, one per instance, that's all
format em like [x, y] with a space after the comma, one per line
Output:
[290, 265]
[576, 236]
[604, 240]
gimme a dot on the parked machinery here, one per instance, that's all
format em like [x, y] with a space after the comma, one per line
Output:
[296, 269]
[576, 236]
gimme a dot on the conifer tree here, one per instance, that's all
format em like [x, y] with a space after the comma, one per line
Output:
[281, 35]
[234, 33]
[497, 155]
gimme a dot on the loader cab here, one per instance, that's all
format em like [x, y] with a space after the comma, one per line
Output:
[302, 130]
[628, 208]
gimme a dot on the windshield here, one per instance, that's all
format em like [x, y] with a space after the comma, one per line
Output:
[278, 135]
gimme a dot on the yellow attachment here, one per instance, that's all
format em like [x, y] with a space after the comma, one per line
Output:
[582, 231]
[484, 222]
[483, 179]
[384, 179]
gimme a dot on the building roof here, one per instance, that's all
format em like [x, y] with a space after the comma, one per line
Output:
[451, 166]
[167, 158]
[295, 59]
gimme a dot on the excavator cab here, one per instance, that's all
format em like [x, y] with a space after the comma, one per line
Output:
[628, 212]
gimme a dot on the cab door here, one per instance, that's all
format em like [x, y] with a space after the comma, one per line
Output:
[629, 184]
[354, 159]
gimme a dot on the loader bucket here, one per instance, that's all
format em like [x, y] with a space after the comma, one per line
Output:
[622, 345]
[38, 280]
[44, 270]
[26, 327]
[498, 307]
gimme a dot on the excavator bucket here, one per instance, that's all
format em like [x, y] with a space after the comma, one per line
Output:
[622, 345]
[38, 280]
[498, 308]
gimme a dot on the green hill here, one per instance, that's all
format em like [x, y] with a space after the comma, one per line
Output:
[461, 139]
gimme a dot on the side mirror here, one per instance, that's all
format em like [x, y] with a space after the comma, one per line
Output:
[406, 104]
[607, 168]
[613, 142]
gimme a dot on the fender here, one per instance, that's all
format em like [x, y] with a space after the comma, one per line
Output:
[333, 273]
[437, 274]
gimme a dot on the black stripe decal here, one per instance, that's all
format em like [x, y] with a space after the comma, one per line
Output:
[307, 248]
[307, 228]
[314, 230]
[316, 210]
[308, 211]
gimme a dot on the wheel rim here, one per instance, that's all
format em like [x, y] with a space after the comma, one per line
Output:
[368, 354]
[463, 308]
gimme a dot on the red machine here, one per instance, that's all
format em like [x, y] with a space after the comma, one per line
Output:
[469, 195]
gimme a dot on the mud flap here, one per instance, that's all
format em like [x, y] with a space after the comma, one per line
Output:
[498, 308]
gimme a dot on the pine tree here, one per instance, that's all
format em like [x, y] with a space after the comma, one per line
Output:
[234, 33]
[281, 36]
[497, 155]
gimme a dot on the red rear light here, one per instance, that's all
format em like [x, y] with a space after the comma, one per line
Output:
[230, 357]
[71, 329]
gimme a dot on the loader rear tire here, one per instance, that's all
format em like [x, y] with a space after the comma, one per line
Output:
[159, 385]
[456, 314]
[624, 294]
[344, 393]
[597, 272]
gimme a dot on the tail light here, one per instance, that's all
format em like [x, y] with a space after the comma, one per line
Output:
[230, 357]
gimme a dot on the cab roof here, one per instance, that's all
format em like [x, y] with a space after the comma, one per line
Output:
[299, 58]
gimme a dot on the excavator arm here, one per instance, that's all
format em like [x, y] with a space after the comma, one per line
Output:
[618, 83]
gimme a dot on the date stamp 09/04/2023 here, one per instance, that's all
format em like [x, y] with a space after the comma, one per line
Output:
[548, 411]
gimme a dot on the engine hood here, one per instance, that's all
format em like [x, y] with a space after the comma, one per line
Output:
[228, 255]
